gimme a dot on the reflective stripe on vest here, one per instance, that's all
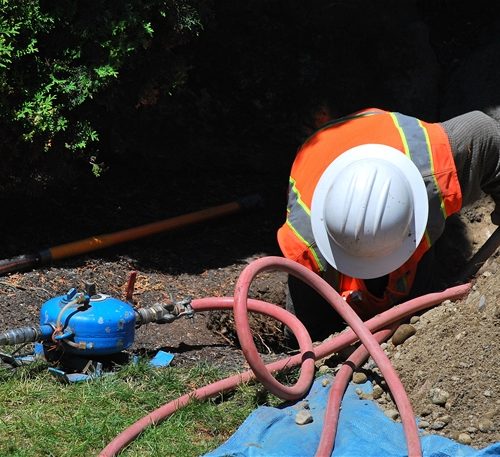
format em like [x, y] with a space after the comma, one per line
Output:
[415, 141]
[299, 221]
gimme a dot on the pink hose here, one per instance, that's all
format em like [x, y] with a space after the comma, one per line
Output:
[334, 345]
[346, 312]
[342, 378]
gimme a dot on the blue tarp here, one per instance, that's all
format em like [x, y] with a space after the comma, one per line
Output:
[363, 430]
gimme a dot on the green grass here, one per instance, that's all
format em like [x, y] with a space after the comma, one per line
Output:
[39, 416]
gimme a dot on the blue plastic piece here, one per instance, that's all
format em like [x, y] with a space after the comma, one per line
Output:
[70, 295]
[161, 359]
[38, 350]
[106, 326]
[363, 430]
[77, 377]
[61, 375]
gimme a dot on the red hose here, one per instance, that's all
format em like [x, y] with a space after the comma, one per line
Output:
[245, 337]
[350, 317]
[334, 345]
[342, 378]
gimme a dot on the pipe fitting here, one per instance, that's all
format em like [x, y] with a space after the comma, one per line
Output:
[163, 313]
[153, 313]
[25, 335]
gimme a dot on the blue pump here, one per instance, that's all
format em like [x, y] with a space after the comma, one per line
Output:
[79, 327]
[91, 325]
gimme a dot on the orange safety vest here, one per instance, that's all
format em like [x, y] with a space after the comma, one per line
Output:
[426, 144]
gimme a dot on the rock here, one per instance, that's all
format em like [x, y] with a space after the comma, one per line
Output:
[485, 425]
[438, 396]
[323, 369]
[369, 365]
[491, 414]
[325, 382]
[377, 391]
[426, 411]
[423, 424]
[392, 414]
[482, 303]
[359, 377]
[472, 297]
[303, 417]
[446, 419]
[304, 404]
[435, 415]
[402, 333]
[464, 438]
[438, 425]
[487, 393]
[414, 319]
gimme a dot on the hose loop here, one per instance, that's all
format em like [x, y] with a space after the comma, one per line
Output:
[249, 349]
[359, 330]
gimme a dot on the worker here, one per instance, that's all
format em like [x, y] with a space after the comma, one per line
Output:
[369, 194]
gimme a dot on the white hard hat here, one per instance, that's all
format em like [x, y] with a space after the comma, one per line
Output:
[369, 211]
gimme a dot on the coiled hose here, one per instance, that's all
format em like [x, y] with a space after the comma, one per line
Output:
[240, 303]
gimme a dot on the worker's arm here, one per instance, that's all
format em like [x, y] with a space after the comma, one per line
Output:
[475, 142]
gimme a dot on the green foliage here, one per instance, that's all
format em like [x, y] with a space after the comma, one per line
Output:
[61, 61]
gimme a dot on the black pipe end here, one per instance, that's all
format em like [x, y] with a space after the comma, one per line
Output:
[19, 263]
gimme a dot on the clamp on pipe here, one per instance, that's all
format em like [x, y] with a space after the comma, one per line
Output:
[164, 313]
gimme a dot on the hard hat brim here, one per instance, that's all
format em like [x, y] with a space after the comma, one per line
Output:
[366, 267]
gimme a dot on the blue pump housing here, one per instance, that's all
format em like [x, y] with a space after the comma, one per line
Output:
[103, 326]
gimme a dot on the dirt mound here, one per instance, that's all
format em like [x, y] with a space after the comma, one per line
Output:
[455, 349]
[450, 365]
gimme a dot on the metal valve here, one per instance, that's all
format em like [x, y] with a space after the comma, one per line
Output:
[164, 313]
